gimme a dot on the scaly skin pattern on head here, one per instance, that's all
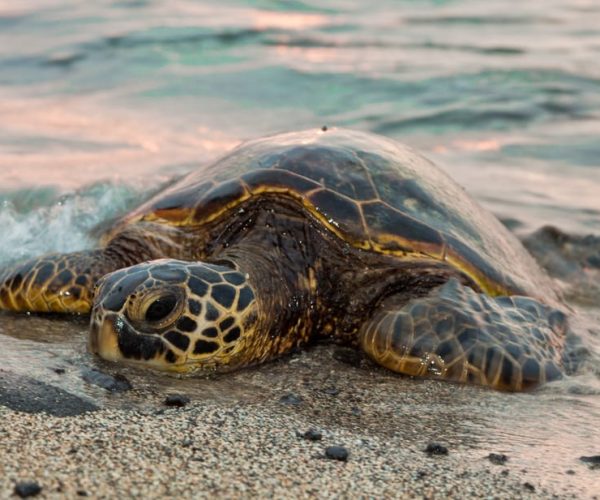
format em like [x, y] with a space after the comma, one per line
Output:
[174, 315]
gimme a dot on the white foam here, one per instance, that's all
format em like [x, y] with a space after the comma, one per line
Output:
[62, 225]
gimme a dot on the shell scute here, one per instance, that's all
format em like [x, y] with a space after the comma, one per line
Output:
[341, 212]
[286, 181]
[175, 205]
[337, 169]
[391, 227]
[218, 198]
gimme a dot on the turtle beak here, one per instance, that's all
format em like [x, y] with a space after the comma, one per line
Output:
[103, 340]
[114, 339]
[93, 338]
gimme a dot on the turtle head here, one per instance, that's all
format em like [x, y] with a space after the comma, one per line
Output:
[173, 315]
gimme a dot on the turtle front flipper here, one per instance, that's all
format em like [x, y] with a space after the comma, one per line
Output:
[509, 343]
[64, 283]
[61, 283]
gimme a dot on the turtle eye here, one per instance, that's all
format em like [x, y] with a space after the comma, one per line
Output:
[161, 308]
[157, 309]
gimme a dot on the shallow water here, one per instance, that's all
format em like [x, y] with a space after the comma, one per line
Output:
[102, 103]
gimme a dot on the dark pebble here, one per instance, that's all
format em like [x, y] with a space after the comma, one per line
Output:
[82, 493]
[497, 458]
[27, 489]
[112, 383]
[331, 391]
[436, 449]
[177, 400]
[59, 371]
[356, 411]
[420, 474]
[593, 460]
[311, 435]
[571, 472]
[337, 453]
[121, 384]
[290, 399]
[324, 128]
[529, 486]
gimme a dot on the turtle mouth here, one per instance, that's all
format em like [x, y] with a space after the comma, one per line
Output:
[103, 341]
[114, 339]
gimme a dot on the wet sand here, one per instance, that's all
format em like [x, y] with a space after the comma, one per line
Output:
[238, 437]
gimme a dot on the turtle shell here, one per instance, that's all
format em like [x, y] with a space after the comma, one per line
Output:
[372, 192]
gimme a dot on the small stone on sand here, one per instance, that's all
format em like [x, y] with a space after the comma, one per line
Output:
[27, 489]
[311, 435]
[337, 453]
[497, 458]
[177, 400]
[290, 399]
[331, 391]
[592, 460]
[436, 449]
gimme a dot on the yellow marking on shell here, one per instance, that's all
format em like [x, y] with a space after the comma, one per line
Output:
[423, 251]
[487, 285]
[418, 251]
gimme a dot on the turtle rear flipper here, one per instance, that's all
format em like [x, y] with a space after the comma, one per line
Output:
[61, 283]
[511, 343]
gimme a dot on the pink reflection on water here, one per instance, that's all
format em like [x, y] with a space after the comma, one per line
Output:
[315, 55]
[472, 145]
[266, 19]
[483, 145]
[69, 142]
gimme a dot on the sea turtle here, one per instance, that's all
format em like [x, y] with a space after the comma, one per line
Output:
[299, 236]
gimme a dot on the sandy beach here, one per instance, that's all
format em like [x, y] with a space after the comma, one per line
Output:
[242, 435]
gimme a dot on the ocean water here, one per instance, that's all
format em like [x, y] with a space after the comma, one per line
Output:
[103, 102]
